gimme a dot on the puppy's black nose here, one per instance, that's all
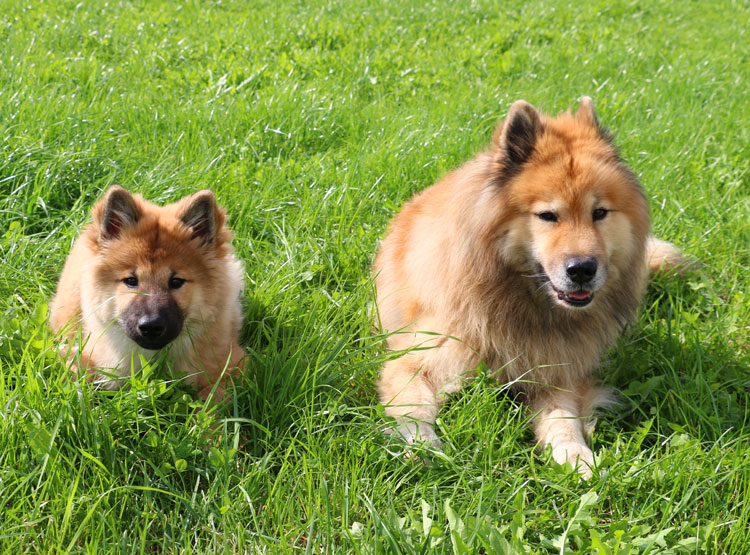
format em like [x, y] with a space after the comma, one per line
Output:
[580, 270]
[151, 327]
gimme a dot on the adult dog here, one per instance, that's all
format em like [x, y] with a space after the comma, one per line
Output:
[531, 257]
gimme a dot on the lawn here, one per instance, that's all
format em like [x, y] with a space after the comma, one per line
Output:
[313, 122]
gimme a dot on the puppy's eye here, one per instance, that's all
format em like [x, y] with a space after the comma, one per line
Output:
[600, 214]
[131, 281]
[547, 216]
[176, 283]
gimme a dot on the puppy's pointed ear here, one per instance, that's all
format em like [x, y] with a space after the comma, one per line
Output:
[116, 211]
[201, 214]
[586, 113]
[515, 138]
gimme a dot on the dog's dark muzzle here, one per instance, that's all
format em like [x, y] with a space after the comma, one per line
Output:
[581, 270]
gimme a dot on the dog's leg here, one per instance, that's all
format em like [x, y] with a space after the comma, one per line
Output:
[559, 423]
[413, 387]
[409, 395]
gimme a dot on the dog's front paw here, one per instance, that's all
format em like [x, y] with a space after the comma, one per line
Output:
[418, 432]
[577, 454]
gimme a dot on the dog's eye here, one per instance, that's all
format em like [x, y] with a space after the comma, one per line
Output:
[131, 281]
[599, 214]
[547, 216]
[176, 283]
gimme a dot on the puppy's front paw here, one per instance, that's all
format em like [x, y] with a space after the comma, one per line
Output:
[418, 432]
[577, 454]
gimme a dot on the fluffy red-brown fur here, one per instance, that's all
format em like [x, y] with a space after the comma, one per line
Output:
[96, 310]
[478, 260]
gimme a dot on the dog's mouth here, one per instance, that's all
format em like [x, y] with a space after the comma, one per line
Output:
[577, 299]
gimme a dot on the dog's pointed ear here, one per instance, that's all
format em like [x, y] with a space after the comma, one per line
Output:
[515, 137]
[202, 214]
[586, 113]
[116, 211]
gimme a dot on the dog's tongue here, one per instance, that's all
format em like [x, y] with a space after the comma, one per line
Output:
[580, 295]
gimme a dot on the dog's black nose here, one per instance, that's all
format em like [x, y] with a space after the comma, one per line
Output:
[580, 270]
[151, 327]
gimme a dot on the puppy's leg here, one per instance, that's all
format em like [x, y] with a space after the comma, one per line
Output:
[559, 423]
[220, 368]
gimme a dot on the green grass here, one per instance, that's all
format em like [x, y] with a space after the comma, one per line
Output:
[313, 122]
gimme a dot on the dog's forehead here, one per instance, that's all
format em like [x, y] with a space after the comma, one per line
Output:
[573, 180]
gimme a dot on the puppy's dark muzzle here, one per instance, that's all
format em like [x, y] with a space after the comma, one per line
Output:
[152, 331]
[153, 321]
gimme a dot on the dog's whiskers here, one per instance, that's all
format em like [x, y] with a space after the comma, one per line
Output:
[544, 284]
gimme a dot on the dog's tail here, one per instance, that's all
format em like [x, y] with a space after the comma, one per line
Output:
[663, 256]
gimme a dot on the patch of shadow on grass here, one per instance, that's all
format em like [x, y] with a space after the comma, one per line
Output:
[680, 368]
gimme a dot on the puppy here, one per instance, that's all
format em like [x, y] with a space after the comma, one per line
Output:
[142, 278]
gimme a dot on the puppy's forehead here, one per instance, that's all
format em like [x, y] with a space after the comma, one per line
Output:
[151, 248]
